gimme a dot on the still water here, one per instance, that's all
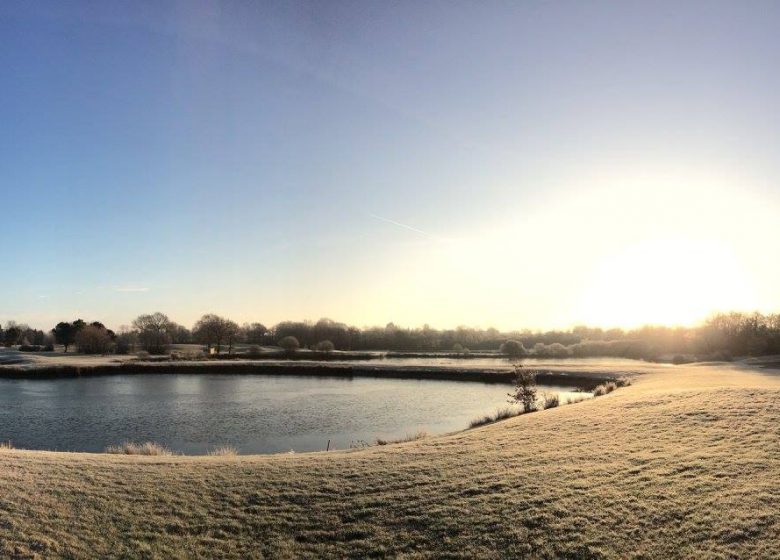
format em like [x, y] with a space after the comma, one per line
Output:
[192, 414]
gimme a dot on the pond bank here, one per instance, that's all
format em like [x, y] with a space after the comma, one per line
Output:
[585, 380]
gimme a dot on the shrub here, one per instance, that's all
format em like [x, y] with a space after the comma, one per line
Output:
[29, 348]
[554, 350]
[93, 340]
[524, 393]
[224, 451]
[48, 348]
[289, 343]
[6, 446]
[573, 400]
[550, 401]
[142, 355]
[325, 346]
[130, 448]
[513, 349]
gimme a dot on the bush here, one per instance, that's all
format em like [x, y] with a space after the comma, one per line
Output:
[130, 448]
[29, 348]
[554, 350]
[325, 346]
[48, 348]
[513, 349]
[93, 340]
[142, 355]
[289, 343]
[6, 446]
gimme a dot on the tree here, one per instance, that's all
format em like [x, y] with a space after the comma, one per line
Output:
[325, 346]
[524, 392]
[210, 330]
[65, 334]
[231, 331]
[513, 349]
[290, 344]
[126, 340]
[302, 331]
[154, 332]
[181, 334]
[12, 334]
[94, 339]
[254, 333]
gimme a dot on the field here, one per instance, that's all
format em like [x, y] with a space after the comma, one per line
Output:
[682, 463]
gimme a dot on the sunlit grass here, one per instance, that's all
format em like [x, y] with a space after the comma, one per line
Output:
[681, 465]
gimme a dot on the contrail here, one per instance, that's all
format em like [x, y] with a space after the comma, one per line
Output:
[399, 224]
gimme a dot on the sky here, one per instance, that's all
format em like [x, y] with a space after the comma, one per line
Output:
[508, 164]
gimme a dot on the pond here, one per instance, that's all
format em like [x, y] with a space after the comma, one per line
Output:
[192, 414]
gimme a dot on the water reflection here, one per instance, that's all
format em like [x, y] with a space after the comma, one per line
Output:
[256, 414]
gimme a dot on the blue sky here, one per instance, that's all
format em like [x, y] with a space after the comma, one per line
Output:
[506, 164]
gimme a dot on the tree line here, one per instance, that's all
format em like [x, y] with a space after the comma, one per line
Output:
[721, 336]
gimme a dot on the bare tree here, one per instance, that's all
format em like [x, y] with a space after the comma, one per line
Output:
[154, 332]
[214, 330]
[231, 331]
[254, 333]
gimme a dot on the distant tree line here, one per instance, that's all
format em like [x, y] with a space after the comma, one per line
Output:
[723, 335]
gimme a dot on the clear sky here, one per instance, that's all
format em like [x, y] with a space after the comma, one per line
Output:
[507, 164]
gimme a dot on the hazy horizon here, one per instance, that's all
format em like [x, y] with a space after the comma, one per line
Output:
[536, 165]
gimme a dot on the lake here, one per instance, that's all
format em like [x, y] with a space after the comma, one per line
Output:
[192, 414]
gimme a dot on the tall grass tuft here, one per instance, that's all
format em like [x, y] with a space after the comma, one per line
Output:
[604, 388]
[224, 451]
[500, 414]
[550, 401]
[419, 434]
[130, 448]
[6, 446]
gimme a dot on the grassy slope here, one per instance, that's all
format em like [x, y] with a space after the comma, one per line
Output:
[684, 463]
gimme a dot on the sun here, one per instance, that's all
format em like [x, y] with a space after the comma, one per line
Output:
[676, 281]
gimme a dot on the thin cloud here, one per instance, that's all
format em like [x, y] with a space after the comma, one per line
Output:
[399, 224]
[131, 289]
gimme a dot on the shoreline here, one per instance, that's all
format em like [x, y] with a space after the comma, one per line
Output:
[569, 378]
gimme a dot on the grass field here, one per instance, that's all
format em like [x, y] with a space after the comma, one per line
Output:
[683, 463]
